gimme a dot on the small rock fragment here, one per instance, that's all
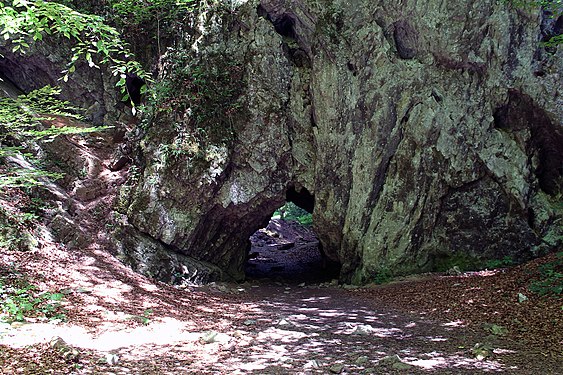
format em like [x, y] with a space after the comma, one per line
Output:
[337, 368]
[362, 360]
[522, 298]
[395, 362]
[496, 329]
[286, 246]
[482, 351]
[401, 366]
[284, 322]
[67, 352]
[213, 336]
[112, 359]
[313, 364]
[363, 330]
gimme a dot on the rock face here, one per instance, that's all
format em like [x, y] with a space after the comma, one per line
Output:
[418, 133]
[42, 64]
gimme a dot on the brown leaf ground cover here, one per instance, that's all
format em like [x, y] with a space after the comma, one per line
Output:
[430, 323]
[481, 299]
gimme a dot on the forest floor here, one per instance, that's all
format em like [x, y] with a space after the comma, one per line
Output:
[118, 322]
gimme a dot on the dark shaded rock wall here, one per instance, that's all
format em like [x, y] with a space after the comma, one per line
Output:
[424, 131]
[42, 64]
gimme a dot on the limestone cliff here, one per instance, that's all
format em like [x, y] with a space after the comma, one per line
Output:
[415, 131]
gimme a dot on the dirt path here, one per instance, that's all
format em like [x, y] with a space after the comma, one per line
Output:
[142, 327]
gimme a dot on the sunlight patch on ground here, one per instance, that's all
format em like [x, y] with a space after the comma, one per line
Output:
[276, 334]
[435, 339]
[457, 323]
[164, 332]
[315, 299]
[503, 351]
[353, 328]
[206, 309]
[438, 360]
[112, 292]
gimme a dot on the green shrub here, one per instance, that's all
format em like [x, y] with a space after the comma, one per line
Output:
[20, 126]
[306, 220]
[291, 212]
[15, 230]
[93, 41]
[464, 262]
[551, 278]
[553, 6]
[499, 263]
[383, 276]
[23, 300]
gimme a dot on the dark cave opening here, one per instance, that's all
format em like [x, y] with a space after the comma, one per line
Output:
[287, 249]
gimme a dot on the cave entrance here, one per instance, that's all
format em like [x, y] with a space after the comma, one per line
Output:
[287, 249]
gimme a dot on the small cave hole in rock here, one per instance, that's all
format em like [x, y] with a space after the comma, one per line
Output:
[288, 250]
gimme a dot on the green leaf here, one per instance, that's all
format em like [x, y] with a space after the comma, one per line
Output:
[56, 296]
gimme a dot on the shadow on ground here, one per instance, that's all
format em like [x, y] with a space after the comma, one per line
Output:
[124, 323]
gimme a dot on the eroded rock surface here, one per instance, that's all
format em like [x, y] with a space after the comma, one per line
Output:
[416, 131]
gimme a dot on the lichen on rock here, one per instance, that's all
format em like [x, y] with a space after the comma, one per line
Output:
[418, 131]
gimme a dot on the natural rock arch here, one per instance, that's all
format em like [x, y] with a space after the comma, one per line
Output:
[398, 137]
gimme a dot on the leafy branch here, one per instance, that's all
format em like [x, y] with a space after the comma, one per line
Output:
[94, 41]
[20, 125]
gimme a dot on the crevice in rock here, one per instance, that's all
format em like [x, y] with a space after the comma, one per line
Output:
[285, 26]
[395, 138]
[550, 27]
[295, 24]
[284, 23]
[546, 139]
[297, 56]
